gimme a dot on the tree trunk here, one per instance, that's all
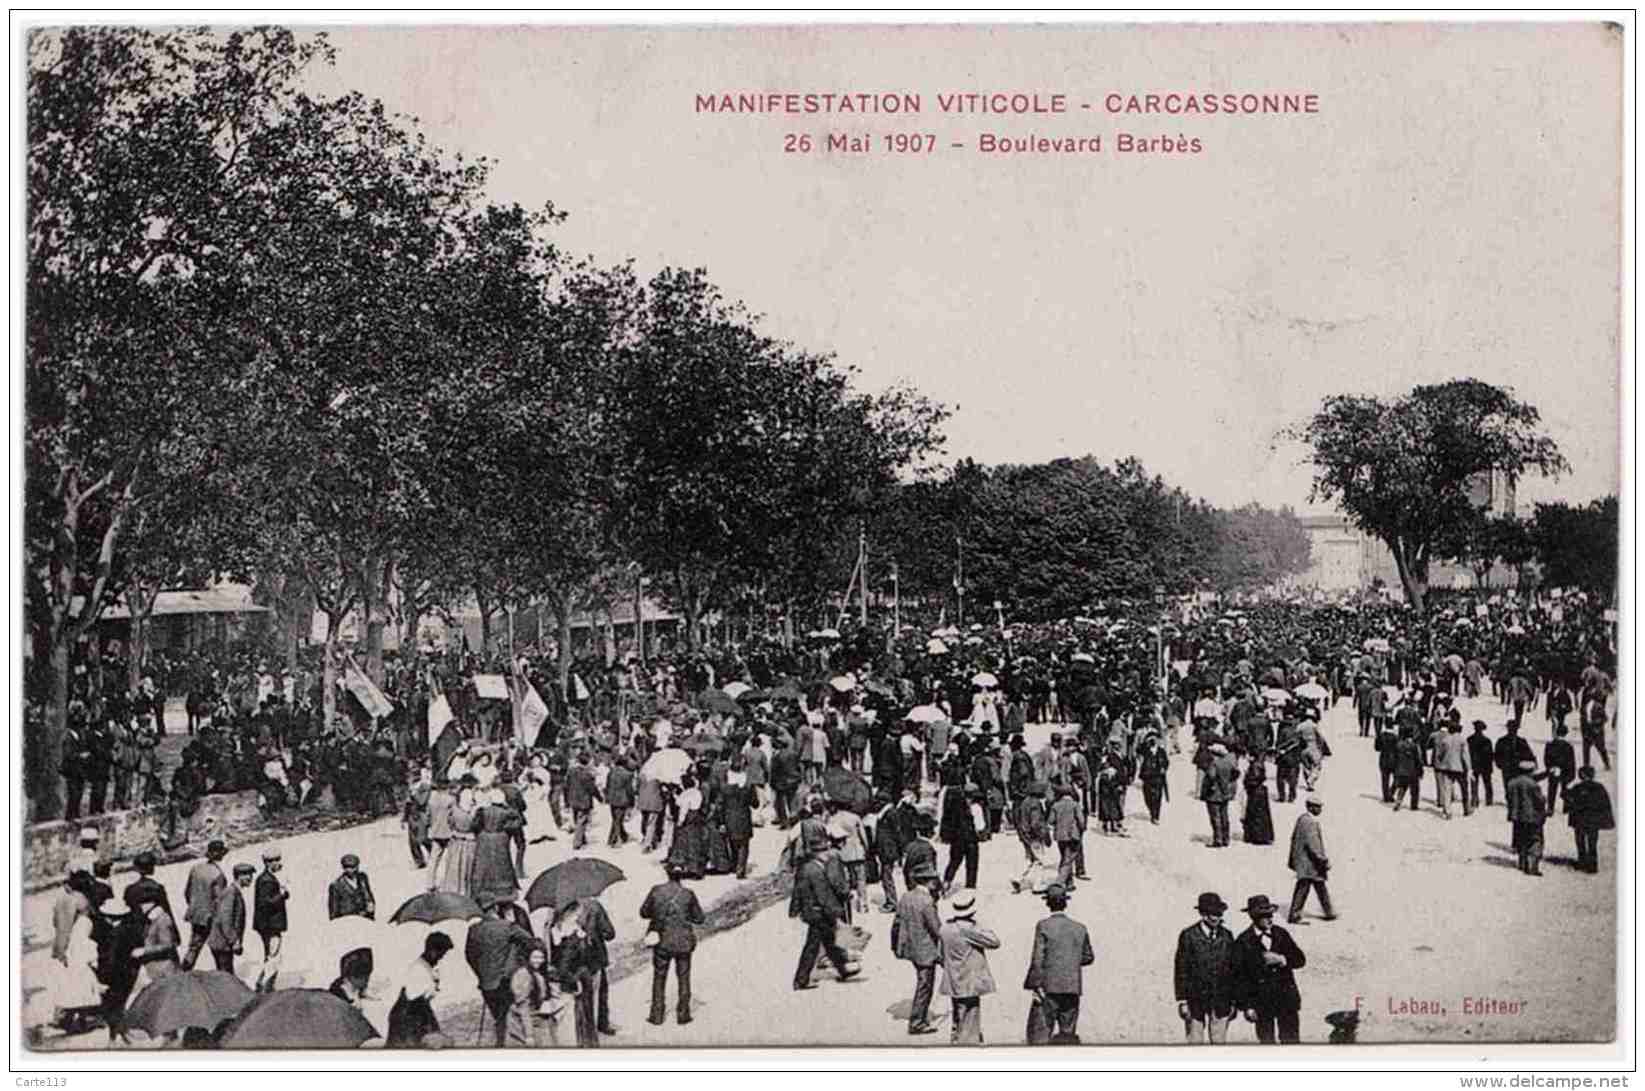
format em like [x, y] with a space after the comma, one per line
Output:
[47, 791]
[1413, 575]
[329, 673]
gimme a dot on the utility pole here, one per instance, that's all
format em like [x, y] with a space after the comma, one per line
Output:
[862, 568]
[639, 623]
[896, 604]
[959, 577]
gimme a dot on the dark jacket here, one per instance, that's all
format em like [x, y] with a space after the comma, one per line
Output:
[619, 787]
[268, 905]
[1062, 947]
[1267, 989]
[492, 950]
[228, 921]
[891, 836]
[1481, 754]
[916, 854]
[737, 808]
[345, 899]
[672, 910]
[816, 899]
[1510, 751]
[1559, 758]
[596, 925]
[1204, 972]
[785, 769]
[1589, 805]
[580, 792]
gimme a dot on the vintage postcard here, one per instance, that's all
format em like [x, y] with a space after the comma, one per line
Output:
[930, 535]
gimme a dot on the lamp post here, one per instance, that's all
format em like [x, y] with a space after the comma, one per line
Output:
[1159, 638]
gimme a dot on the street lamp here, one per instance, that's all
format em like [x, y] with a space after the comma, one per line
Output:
[1159, 638]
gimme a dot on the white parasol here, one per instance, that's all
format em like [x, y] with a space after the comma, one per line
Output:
[667, 766]
[925, 714]
[985, 680]
[845, 683]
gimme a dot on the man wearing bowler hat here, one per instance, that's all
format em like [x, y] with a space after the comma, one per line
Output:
[1062, 950]
[1204, 974]
[916, 936]
[1265, 986]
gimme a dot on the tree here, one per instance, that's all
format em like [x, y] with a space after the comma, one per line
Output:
[1577, 546]
[1511, 541]
[142, 200]
[1401, 469]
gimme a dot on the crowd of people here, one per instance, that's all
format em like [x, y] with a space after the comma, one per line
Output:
[868, 752]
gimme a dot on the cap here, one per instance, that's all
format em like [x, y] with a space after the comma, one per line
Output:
[271, 856]
[351, 860]
[244, 869]
[216, 848]
[1314, 801]
[89, 833]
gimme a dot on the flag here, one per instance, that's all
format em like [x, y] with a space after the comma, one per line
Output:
[439, 714]
[366, 692]
[532, 712]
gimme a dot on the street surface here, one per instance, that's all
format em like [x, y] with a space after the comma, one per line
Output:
[1436, 922]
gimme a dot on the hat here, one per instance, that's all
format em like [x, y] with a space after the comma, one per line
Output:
[112, 907]
[1528, 764]
[965, 904]
[244, 869]
[1313, 800]
[1211, 902]
[1479, 725]
[1258, 905]
[146, 860]
[216, 848]
[89, 833]
[351, 860]
[1055, 892]
[1016, 742]
[271, 856]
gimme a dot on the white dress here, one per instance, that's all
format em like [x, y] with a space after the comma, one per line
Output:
[539, 816]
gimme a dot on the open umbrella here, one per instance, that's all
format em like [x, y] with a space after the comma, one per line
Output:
[874, 685]
[972, 641]
[298, 1019]
[828, 634]
[787, 691]
[715, 701]
[752, 696]
[200, 998]
[849, 789]
[935, 647]
[667, 766]
[1081, 657]
[985, 680]
[1313, 691]
[434, 906]
[564, 883]
[734, 690]
[925, 714]
[845, 683]
[1276, 695]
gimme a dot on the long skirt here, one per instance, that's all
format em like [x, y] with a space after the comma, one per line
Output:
[1110, 803]
[493, 871]
[409, 1021]
[457, 869]
[1259, 820]
[719, 852]
[689, 849]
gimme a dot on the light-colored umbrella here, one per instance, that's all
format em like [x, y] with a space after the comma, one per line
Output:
[1463, 623]
[828, 634]
[1275, 695]
[973, 640]
[1313, 691]
[985, 680]
[667, 766]
[1516, 630]
[845, 683]
[951, 632]
[1393, 693]
[1081, 657]
[925, 714]
[936, 647]
[735, 690]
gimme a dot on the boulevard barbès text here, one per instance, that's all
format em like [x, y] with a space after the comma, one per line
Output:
[1150, 106]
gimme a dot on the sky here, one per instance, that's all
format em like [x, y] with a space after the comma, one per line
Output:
[1452, 210]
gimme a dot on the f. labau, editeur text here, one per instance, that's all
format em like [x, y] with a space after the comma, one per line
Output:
[1007, 102]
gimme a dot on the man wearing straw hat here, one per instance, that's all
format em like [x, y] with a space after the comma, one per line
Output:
[966, 977]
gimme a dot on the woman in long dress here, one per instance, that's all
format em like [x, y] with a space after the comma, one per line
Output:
[458, 872]
[533, 1020]
[574, 967]
[1259, 821]
[411, 1019]
[493, 872]
[75, 986]
[689, 849]
[539, 814]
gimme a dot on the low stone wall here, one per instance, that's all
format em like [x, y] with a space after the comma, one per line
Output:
[48, 846]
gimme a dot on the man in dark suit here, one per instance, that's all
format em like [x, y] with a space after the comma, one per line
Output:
[672, 910]
[596, 925]
[1204, 974]
[1559, 758]
[580, 794]
[892, 833]
[493, 950]
[737, 812]
[1481, 755]
[1265, 986]
[1062, 948]
[916, 936]
[206, 883]
[1510, 751]
[785, 781]
[1221, 779]
[619, 796]
[919, 854]
[349, 895]
[268, 917]
[820, 903]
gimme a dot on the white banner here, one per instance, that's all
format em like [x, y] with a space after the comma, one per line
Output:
[532, 712]
[439, 714]
[372, 699]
